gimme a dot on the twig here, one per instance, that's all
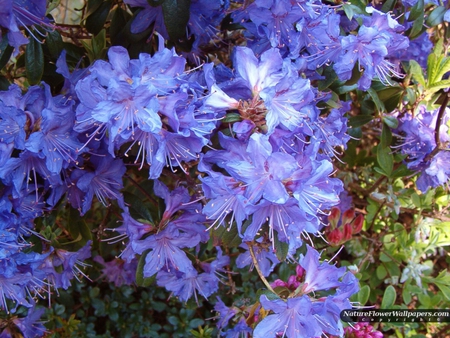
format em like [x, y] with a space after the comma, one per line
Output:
[255, 263]
[439, 119]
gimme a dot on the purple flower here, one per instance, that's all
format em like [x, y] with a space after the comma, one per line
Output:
[105, 181]
[419, 142]
[267, 260]
[319, 276]
[291, 318]
[166, 250]
[184, 285]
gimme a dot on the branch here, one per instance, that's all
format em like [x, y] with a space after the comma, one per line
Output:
[439, 119]
[255, 263]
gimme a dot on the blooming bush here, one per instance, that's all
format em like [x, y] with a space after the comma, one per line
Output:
[222, 168]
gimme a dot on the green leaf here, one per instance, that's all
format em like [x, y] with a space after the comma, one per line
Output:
[227, 236]
[231, 117]
[34, 61]
[439, 85]
[5, 51]
[417, 27]
[118, 25]
[378, 103]
[348, 9]
[281, 249]
[176, 17]
[389, 298]
[381, 272]
[388, 6]
[391, 121]
[359, 120]
[140, 279]
[443, 68]
[386, 137]
[436, 17]
[445, 289]
[96, 20]
[416, 11]
[417, 72]
[385, 160]
[330, 77]
[138, 210]
[54, 43]
[363, 295]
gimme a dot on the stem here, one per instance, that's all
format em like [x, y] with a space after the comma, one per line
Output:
[440, 116]
[255, 263]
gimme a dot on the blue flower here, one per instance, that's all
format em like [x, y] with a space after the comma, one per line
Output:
[186, 284]
[166, 250]
[105, 181]
[319, 276]
[291, 318]
[267, 260]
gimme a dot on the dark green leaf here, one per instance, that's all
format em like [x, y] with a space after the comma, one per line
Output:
[96, 20]
[381, 272]
[176, 17]
[436, 17]
[281, 249]
[138, 209]
[386, 137]
[140, 279]
[155, 3]
[359, 120]
[385, 160]
[231, 117]
[388, 6]
[378, 103]
[54, 43]
[388, 298]
[34, 61]
[330, 77]
[4, 83]
[5, 51]
[417, 72]
[119, 22]
[391, 121]
[227, 236]
[416, 11]
[363, 295]
[417, 28]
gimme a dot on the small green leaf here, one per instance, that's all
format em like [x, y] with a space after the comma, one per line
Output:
[417, 72]
[391, 121]
[363, 295]
[138, 209]
[416, 200]
[141, 280]
[5, 51]
[359, 120]
[385, 159]
[436, 17]
[231, 117]
[417, 27]
[386, 137]
[389, 297]
[416, 10]
[348, 9]
[388, 6]
[54, 43]
[281, 249]
[378, 103]
[176, 17]
[381, 272]
[34, 61]
[96, 20]
[439, 85]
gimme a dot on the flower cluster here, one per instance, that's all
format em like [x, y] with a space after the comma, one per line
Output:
[302, 310]
[425, 155]
[247, 146]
